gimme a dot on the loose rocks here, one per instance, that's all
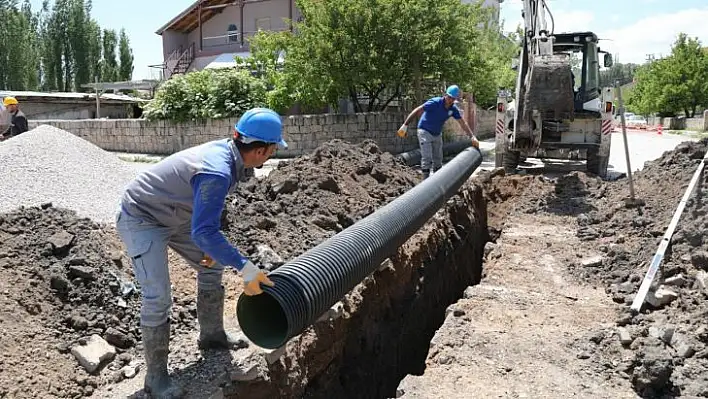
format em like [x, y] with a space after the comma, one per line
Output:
[669, 332]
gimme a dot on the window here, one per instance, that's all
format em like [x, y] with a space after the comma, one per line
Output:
[262, 24]
[232, 33]
[592, 72]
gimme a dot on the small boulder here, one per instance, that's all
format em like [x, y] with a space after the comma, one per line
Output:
[699, 259]
[61, 241]
[678, 280]
[702, 280]
[82, 272]
[593, 261]
[624, 336]
[118, 339]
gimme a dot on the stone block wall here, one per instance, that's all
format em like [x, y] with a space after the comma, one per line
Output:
[303, 133]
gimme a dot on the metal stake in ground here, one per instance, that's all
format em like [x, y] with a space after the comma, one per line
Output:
[626, 145]
[666, 240]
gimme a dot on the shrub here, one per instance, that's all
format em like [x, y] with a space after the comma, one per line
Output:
[207, 94]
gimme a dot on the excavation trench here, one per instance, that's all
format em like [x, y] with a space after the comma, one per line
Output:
[382, 331]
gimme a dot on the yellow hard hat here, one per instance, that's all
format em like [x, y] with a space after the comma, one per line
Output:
[9, 101]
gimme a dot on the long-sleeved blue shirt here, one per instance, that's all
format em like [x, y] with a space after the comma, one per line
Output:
[210, 193]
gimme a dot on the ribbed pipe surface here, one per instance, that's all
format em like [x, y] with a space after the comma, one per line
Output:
[411, 158]
[308, 286]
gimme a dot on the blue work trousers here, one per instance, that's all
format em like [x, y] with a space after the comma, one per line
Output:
[147, 244]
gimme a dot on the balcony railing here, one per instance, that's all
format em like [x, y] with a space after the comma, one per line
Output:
[232, 40]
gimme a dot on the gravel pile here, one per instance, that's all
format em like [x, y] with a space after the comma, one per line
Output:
[49, 165]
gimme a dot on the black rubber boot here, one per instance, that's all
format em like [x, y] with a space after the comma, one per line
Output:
[210, 313]
[158, 383]
[426, 173]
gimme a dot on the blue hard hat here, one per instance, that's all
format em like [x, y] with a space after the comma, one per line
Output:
[261, 124]
[453, 91]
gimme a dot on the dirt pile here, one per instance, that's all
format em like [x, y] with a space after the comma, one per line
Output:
[662, 350]
[307, 200]
[63, 279]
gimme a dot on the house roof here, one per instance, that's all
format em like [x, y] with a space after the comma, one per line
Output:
[188, 19]
[59, 97]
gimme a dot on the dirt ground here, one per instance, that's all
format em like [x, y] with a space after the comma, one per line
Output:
[550, 317]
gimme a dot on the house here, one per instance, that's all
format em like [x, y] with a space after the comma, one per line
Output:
[210, 33]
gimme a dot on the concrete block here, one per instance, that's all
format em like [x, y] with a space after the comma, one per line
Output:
[661, 297]
[624, 336]
[95, 352]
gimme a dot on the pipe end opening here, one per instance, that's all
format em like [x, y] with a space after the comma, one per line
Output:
[262, 320]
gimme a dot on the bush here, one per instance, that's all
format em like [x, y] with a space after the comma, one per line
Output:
[207, 94]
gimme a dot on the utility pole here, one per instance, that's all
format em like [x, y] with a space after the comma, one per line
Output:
[626, 144]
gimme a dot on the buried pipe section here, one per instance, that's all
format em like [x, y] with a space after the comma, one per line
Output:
[312, 283]
[412, 157]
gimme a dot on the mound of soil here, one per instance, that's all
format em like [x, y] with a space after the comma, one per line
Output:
[63, 279]
[309, 199]
[661, 350]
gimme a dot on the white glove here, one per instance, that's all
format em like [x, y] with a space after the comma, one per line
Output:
[250, 271]
[253, 277]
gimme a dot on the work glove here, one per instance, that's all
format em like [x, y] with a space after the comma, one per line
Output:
[475, 142]
[402, 131]
[252, 279]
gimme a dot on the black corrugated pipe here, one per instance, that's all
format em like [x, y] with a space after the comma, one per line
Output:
[308, 286]
[411, 158]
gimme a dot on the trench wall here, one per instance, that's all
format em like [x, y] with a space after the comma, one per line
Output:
[384, 330]
[304, 133]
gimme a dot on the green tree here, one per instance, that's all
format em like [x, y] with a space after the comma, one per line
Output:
[675, 84]
[59, 47]
[95, 51]
[109, 64]
[618, 72]
[126, 57]
[374, 51]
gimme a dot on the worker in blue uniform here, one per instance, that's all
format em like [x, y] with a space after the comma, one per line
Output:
[177, 204]
[432, 117]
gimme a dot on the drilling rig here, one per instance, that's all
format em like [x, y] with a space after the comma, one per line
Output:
[550, 118]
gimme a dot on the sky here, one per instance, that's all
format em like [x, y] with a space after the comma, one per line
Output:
[629, 29]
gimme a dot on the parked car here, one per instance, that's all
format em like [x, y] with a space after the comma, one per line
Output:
[636, 122]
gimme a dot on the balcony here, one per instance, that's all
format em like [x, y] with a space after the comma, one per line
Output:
[229, 42]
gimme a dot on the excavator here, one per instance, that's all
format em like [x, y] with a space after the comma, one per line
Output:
[550, 118]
